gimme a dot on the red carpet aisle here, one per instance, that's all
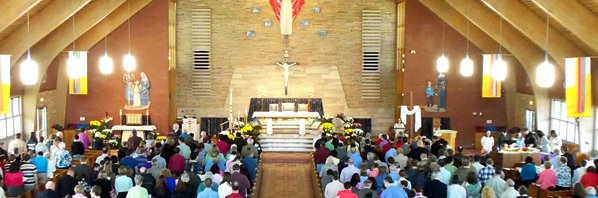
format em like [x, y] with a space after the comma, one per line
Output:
[286, 175]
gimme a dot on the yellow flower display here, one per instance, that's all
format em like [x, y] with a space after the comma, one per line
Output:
[247, 128]
[348, 131]
[95, 123]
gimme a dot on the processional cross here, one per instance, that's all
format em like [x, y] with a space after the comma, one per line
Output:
[286, 64]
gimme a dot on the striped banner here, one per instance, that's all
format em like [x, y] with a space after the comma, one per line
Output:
[490, 88]
[5, 81]
[78, 86]
[578, 87]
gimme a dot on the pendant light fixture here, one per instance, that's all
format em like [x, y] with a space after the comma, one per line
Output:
[442, 63]
[499, 68]
[129, 62]
[545, 73]
[73, 64]
[466, 67]
[106, 63]
[29, 70]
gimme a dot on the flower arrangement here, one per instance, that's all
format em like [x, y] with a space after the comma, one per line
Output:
[351, 128]
[102, 132]
[328, 127]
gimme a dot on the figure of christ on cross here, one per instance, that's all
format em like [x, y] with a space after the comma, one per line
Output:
[286, 65]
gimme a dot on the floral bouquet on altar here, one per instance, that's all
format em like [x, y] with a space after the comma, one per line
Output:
[103, 135]
[328, 128]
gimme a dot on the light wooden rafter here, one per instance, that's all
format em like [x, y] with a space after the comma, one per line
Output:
[42, 24]
[88, 35]
[13, 10]
[575, 17]
[534, 28]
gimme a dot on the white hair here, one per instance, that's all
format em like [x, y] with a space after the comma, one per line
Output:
[590, 190]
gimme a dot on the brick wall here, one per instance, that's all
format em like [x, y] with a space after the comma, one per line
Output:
[329, 66]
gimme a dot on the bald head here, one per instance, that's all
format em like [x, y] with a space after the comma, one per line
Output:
[50, 185]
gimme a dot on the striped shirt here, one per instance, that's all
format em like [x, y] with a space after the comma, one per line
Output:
[29, 171]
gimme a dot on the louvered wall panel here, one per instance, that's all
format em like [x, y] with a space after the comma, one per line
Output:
[201, 42]
[371, 21]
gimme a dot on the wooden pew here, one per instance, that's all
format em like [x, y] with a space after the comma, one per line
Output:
[535, 191]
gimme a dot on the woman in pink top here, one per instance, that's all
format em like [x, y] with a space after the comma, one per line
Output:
[79, 192]
[84, 139]
[547, 177]
[13, 180]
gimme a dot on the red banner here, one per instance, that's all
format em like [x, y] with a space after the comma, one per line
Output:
[276, 5]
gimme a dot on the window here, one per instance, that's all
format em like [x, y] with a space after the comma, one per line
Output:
[42, 122]
[596, 129]
[11, 123]
[530, 119]
[564, 126]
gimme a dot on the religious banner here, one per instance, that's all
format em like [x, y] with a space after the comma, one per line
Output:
[490, 87]
[78, 85]
[416, 111]
[5, 80]
[286, 11]
[578, 87]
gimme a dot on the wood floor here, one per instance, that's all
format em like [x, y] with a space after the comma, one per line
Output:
[286, 175]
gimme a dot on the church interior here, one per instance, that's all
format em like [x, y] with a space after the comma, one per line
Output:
[505, 80]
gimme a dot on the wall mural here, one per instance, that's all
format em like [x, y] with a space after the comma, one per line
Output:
[436, 94]
[137, 91]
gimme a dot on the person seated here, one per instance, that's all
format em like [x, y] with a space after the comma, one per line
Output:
[77, 148]
[563, 176]
[590, 178]
[547, 177]
[528, 172]
[50, 191]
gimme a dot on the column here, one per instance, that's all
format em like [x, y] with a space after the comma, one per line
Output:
[269, 126]
[302, 126]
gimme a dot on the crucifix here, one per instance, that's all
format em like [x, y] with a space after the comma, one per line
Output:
[286, 65]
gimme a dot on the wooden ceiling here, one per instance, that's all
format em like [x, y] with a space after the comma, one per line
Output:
[572, 28]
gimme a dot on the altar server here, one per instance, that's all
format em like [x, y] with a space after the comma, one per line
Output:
[487, 142]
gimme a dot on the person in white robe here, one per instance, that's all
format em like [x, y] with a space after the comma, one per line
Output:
[487, 142]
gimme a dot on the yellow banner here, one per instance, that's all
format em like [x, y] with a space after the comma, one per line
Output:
[491, 88]
[578, 87]
[78, 86]
[5, 83]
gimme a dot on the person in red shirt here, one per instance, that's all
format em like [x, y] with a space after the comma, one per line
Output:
[347, 193]
[13, 180]
[235, 193]
[590, 178]
[222, 144]
[320, 156]
[176, 164]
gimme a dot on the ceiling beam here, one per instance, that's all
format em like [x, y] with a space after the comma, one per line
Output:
[13, 10]
[575, 17]
[486, 41]
[115, 19]
[86, 32]
[534, 28]
[42, 24]
[527, 54]
[459, 23]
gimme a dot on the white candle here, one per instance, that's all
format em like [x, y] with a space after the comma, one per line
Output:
[120, 112]
[147, 112]
[238, 114]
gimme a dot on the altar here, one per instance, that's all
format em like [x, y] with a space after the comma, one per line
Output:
[510, 159]
[286, 117]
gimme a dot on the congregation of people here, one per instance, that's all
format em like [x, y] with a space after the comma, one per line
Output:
[395, 166]
[177, 166]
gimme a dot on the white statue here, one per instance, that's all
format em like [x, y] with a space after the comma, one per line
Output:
[286, 65]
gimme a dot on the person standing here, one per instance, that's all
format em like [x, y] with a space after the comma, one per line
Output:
[17, 146]
[487, 143]
[41, 163]
[555, 140]
[133, 142]
[138, 190]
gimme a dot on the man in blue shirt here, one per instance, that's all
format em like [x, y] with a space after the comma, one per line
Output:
[41, 163]
[392, 190]
[251, 165]
[208, 192]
